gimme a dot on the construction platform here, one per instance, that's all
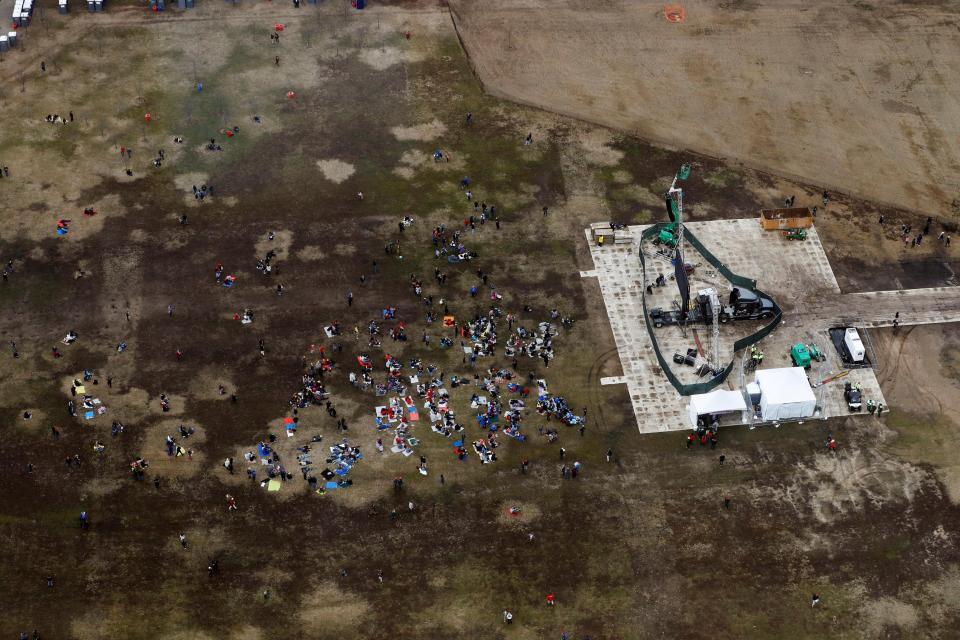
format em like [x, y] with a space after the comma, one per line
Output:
[797, 274]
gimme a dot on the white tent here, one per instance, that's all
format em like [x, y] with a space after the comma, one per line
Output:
[717, 401]
[785, 394]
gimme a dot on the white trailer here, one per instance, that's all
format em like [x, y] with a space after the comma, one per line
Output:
[854, 345]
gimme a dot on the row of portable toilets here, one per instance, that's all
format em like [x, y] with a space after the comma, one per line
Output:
[8, 41]
[160, 5]
[23, 10]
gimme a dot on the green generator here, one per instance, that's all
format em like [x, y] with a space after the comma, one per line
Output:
[800, 355]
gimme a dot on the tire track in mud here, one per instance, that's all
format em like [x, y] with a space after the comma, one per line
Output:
[898, 342]
[593, 383]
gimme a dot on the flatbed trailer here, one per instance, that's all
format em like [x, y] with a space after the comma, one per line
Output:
[744, 305]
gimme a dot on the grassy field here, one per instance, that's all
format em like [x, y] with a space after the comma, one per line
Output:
[639, 547]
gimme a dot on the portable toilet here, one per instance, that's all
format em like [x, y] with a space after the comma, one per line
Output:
[851, 339]
[12, 38]
[98, 5]
[361, 3]
[63, 6]
[4, 43]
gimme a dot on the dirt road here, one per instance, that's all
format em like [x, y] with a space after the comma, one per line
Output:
[879, 308]
[857, 97]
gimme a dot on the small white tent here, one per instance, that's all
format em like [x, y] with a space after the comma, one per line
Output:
[785, 394]
[717, 401]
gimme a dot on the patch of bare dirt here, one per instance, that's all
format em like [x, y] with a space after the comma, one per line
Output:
[420, 132]
[336, 171]
[327, 605]
[281, 242]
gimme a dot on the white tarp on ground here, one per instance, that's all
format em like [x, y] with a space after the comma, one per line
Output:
[785, 394]
[717, 401]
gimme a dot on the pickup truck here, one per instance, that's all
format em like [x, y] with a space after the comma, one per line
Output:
[853, 396]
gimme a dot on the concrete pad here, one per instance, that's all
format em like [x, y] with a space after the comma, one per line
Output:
[795, 273]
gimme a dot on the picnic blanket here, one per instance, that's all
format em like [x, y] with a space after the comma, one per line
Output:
[411, 408]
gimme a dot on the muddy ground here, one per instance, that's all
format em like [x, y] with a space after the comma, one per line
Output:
[638, 547]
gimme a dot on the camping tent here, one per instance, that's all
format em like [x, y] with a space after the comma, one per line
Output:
[785, 394]
[717, 401]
